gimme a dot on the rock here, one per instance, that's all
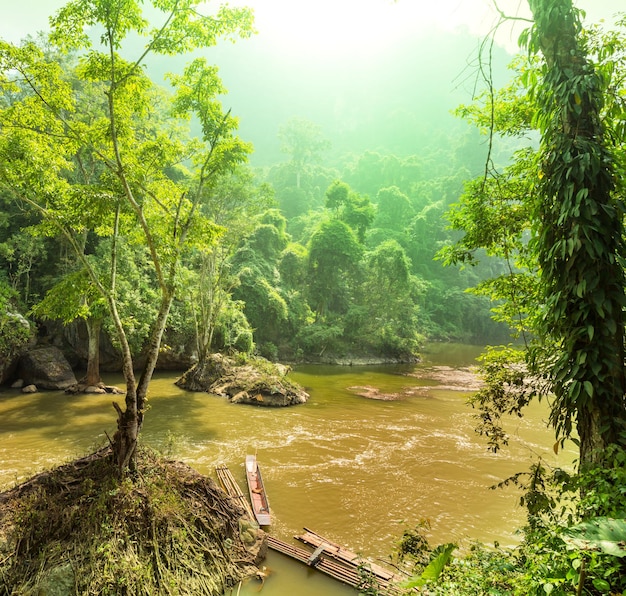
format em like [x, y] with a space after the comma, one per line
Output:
[113, 390]
[101, 388]
[18, 384]
[47, 368]
[256, 381]
[94, 389]
[29, 389]
[74, 339]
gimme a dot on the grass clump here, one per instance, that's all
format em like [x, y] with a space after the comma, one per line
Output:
[78, 529]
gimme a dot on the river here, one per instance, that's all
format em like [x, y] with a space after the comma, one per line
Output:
[355, 469]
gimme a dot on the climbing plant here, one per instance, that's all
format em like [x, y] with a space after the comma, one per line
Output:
[578, 237]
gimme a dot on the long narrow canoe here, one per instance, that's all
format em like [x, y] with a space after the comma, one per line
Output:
[258, 498]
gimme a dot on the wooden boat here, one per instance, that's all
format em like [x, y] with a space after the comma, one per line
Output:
[258, 498]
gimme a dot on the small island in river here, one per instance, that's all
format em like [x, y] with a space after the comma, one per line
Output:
[250, 381]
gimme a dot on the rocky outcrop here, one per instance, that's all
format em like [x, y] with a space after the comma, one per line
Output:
[46, 368]
[98, 389]
[256, 381]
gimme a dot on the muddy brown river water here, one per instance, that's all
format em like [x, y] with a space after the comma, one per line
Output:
[375, 450]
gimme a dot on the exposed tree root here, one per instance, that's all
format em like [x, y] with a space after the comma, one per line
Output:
[79, 529]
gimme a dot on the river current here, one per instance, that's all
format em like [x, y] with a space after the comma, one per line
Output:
[374, 451]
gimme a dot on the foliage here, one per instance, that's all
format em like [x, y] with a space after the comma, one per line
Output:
[426, 565]
[369, 584]
[573, 543]
[15, 330]
[334, 253]
[432, 572]
[320, 338]
[95, 148]
[482, 570]
[554, 216]
[603, 534]
[506, 391]
[409, 193]
[579, 238]
[413, 546]
[394, 208]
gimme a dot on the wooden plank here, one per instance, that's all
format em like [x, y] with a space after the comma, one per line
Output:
[315, 557]
[346, 556]
[332, 568]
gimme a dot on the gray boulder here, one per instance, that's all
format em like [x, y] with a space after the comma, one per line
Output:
[47, 368]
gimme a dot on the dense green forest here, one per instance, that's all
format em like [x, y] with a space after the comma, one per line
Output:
[136, 210]
[330, 232]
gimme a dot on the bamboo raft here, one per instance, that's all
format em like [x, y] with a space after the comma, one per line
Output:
[347, 574]
[328, 557]
[324, 546]
[230, 486]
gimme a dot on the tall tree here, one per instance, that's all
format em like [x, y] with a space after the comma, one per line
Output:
[567, 285]
[580, 237]
[114, 115]
[334, 255]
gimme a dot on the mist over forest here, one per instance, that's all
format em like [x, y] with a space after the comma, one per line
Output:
[398, 100]
[375, 126]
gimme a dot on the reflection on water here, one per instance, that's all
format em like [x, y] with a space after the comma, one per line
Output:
[356, 470]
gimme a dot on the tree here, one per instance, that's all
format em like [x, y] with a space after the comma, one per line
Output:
[256, 266]
[565, 286]
[394, 208]
[233, 203]
[334, 255]
[386, 311]
[580, 238]
[350, 207]
[113, 115]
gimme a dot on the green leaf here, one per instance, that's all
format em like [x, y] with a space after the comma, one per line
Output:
[603, 534]
[601, 584]
[434, 568]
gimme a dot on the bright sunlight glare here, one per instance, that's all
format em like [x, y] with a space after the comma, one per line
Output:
[336, 27]
[339, 27]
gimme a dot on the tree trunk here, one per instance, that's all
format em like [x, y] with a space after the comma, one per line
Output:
[93, 359]
[580, 239]
[125, 438]
[152, 355]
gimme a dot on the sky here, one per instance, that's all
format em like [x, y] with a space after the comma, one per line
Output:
[331, 26]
